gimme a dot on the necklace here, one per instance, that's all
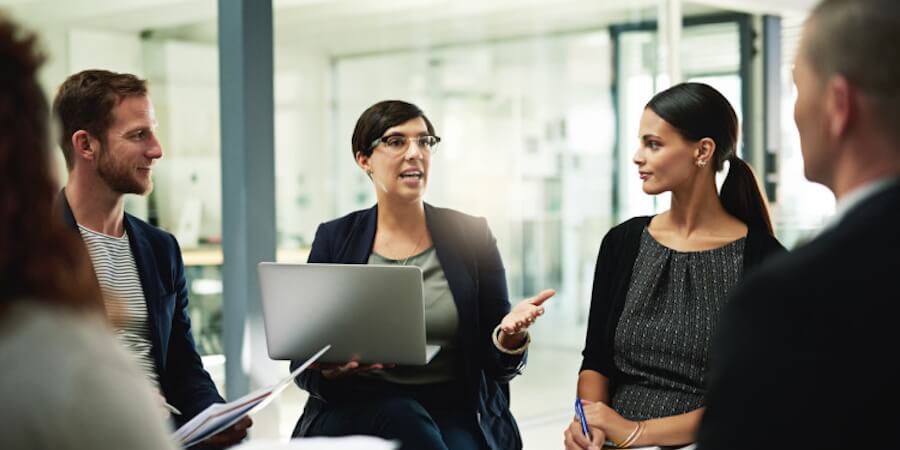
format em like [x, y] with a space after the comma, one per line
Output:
[422, 236]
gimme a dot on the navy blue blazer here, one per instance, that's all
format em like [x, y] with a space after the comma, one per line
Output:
[184, 382]
[471, 262]
[803, 355]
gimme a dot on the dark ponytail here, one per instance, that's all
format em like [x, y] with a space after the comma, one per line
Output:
[741, 197]
[698, 111]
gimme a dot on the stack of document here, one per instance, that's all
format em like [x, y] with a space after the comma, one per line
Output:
[220, 416]
[323, 443]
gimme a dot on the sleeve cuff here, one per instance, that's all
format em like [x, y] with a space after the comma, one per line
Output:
[495, 335]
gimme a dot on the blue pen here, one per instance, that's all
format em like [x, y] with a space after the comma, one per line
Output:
[580, 411]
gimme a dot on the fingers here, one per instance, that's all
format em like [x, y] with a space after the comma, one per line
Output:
[232, 435]
[568, 443]
[244, 423]
[522, 316]
[351, 368]
[569, 437]
[340, 371]
[513, 326]
[597, 439]
[578, 437]
[541, 297]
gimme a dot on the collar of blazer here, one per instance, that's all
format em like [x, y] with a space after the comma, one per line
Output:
[145, 259]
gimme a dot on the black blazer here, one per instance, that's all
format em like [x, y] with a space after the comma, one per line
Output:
[612, 277]
[471, 262]
[807, 353]
[184, 382]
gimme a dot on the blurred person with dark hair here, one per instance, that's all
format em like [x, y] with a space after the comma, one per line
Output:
[660, 282]
[806, 356]
[110, 145]
[66, 383]
[459, 400]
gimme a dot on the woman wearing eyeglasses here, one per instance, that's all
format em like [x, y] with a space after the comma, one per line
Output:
[459, 400]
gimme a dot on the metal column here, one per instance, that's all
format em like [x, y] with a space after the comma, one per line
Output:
[248, 179]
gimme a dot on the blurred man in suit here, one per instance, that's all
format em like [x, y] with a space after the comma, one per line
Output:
[807, 349]
[110, 146]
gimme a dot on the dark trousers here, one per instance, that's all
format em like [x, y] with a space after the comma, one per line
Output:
[429, 417]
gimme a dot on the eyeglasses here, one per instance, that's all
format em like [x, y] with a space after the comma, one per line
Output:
[398, 143]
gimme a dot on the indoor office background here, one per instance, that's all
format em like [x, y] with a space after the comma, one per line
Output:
[537, 103]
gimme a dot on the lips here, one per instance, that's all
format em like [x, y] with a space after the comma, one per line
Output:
[644, 175]
[413, 173]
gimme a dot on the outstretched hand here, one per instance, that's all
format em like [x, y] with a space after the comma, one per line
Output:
[524, 314]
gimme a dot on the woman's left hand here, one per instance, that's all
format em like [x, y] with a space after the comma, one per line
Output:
[524, 314]
[600, 415]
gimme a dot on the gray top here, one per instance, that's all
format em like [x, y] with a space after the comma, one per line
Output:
[670, 314]
[441, 324]
[67, 384]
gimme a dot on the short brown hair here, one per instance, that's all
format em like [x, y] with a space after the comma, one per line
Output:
[859, 40]
[378, 118]
[85, 102]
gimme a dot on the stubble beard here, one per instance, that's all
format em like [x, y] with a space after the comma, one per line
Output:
[118, 177]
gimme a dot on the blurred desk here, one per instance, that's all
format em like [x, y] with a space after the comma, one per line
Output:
[203, 269]
[212, 255]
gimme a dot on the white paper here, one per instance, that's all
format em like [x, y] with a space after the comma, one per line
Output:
[220, 416]
[323, 443]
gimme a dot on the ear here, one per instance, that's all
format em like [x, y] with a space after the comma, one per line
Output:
[706, 148]
[363, 162]
[85, 146]
[839, 106]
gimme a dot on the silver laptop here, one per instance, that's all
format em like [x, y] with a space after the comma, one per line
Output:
[368, 313]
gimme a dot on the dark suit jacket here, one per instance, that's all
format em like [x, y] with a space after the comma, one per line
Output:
[184, 382]
[471, 262]
[807, 352]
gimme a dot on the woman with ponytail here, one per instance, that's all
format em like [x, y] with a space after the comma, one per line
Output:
[661, 281]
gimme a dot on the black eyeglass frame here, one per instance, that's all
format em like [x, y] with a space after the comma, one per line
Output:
[384, 139]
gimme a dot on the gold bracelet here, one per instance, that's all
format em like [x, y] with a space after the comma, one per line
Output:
[632, 437]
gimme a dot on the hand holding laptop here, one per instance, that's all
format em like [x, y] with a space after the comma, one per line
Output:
[333, 371]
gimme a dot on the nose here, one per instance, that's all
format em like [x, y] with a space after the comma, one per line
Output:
[638, 157]
[155, 151]
[413, 151]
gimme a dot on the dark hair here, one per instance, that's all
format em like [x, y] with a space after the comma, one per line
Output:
[698, 111]
[378, 118]
[40, 259]
[848, 37]
[85, 102]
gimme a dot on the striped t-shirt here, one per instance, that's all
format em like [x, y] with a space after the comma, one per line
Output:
[123, 294]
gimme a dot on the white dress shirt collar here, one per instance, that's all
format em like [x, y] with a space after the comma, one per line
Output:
[858, 196]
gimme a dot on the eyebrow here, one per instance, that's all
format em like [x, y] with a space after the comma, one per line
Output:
[649, 136]
[139, 128]
[397, 133]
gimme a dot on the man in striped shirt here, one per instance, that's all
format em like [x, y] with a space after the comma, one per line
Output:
[109, 143]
